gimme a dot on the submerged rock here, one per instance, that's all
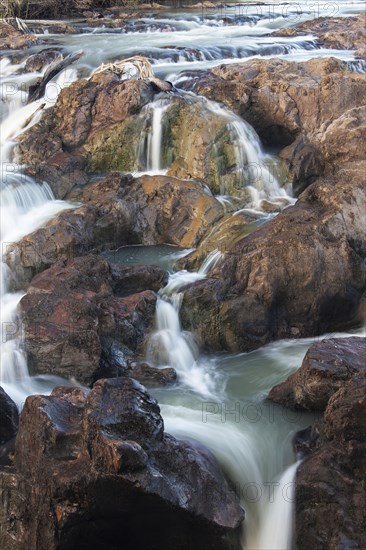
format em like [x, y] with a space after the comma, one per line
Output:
[93, 468]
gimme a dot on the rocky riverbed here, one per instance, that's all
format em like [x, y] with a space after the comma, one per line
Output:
[85, 466]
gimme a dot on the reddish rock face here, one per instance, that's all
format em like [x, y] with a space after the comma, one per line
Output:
[327, 366]
[116, 211]
[98, 465]
[315, 110]
[301, 274]
[80, 319]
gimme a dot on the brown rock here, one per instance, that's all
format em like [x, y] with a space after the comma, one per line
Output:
[74, 323]
[9, 418]
[38, 61]
[330, 491]
[119, 210]
[92, 467]
[325, 369]
[344, 33]
[301, 271]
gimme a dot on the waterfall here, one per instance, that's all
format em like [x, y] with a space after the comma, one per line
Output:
[150, 149]
[277, 514]
[24, 206]
[255, 169]
[171, 346]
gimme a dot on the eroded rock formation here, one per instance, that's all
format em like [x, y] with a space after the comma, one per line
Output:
[95, 469]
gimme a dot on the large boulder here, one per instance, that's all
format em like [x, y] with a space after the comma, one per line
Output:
[116, 211]
[313, 109]
[92, 468]
[301, 274]
[327, 366]
[78, 123]
[330, 508]
[83, 318]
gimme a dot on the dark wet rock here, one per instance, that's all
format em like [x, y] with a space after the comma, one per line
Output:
[38, 61]
[330, 491]
[62, 172]
[306, 441]
[300, 274]
[305, 163]
[152, 377]
[130, 279]
[78, 307]
[92, 467]
[326, 367]
[116, 211]
[9, 418]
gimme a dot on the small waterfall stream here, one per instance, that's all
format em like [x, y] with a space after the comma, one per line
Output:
[24, 206]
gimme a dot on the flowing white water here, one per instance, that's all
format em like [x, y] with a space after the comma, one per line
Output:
[219, 399]
[24, 206]
[255, 169]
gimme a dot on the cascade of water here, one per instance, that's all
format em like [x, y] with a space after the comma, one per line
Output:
[24, 206]
[277, 514]
[171, 346]
[154, 146]
[254, 168]
[150, 149]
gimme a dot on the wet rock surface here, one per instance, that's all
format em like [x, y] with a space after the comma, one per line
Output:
[297, 106]
[301, 274]
[9, 418]
[327, 366]
[98, 464]
[84, 318]
[118, 210]
[330, 492]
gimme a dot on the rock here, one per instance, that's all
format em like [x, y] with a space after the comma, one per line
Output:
[94, 467]
[326, 367]
[152, 377]
[117, 211]
[38, 61]
[12, 39]
[130, 279]
[303, 270]
[344, 33]
[305, 162]
[75, 309]
[62, 172]
[330, 491]
[308, 108]
[9, 418]
[222, 237]
[83, 113]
